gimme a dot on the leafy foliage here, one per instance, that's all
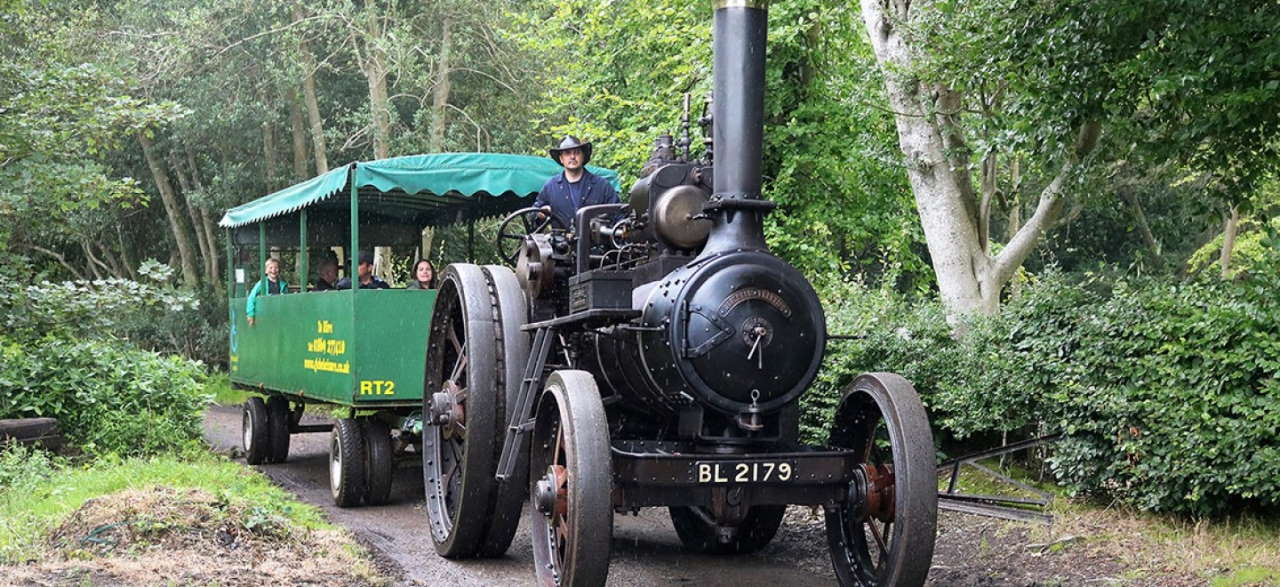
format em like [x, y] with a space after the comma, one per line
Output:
[108, 398]
[1168, 394]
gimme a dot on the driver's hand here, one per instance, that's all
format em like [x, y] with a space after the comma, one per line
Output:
[543, 212]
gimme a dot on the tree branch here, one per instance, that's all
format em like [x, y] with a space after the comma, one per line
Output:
[59, 258]
[1047, 211]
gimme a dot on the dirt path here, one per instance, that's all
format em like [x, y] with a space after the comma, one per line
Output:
[646, 551]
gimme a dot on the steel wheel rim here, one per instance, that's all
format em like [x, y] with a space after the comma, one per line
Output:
[335, 464]
[246, 429]
[445, 450]
[884, 531]
[861, 534]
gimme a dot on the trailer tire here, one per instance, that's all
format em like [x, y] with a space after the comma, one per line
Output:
[379, 464]
[254, 431]
[347, 463]
[278, 428]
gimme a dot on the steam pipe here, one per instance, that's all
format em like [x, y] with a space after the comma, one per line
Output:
[738, 44]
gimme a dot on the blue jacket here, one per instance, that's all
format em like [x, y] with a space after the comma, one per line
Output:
[555, 193]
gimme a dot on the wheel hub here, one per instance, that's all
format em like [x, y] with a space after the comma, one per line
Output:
[447, 410]
[873, 489]
[551, 496]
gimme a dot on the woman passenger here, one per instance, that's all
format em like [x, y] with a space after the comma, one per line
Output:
[272, 285]
[424, 275]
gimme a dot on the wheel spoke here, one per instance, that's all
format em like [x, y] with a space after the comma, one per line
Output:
[458, 367]
[876, 534]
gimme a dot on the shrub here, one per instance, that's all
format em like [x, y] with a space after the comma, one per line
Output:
[108, 397]
[1167, 393]
[151, 313]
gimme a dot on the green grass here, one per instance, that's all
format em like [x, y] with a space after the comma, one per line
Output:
[223, 394]
[29, 511]
[1248, 576]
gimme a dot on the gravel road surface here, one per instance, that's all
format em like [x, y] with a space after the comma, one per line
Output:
[646, 550]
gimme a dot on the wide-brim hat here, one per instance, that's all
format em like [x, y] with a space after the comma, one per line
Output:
[571, 142]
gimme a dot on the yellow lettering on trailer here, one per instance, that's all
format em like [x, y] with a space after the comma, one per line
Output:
[324, 327]
[377, 387]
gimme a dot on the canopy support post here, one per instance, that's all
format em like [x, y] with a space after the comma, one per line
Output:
[231, 270]
[353, 257]
[304, 257]
[262, 253]
[471, 237]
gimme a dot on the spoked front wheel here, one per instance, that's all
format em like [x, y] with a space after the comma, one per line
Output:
[884, 533]
[570, 483]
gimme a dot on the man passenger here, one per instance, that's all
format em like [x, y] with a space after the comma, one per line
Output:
[365, 272]
[327, 275]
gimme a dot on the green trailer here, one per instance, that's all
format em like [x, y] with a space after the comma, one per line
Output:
[362, 351]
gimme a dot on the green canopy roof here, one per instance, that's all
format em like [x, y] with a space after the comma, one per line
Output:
[435, 179]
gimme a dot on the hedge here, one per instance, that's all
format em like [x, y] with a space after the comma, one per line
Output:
[1167, 392]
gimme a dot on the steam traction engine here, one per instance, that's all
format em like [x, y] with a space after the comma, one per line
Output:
[653, 354]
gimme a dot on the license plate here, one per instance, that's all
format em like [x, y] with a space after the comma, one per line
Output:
[744, 472]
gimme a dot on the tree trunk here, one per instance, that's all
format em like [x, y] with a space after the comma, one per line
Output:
[374, 65]
[193, 211]
[299, 138]
[92, 261]
[989, 184]
[937, 161]
[207, 225]
[269, 156]
[1140, 218]
[309, 96]
[125, 257]
[440, 94]
[172, 208]
[1229, 241]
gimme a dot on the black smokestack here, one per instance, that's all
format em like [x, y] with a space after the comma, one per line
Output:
[739, 36]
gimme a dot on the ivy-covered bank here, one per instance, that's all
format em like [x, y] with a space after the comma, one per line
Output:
[1167, 392]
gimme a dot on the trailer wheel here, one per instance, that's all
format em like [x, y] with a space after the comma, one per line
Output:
[347, 463]
[884, 533]
[570, 473]
[461, 406]
[254, 431]
[278, 428]
[379, 465]
[699, 533]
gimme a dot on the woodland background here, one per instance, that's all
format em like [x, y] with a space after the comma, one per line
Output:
[1052, 216]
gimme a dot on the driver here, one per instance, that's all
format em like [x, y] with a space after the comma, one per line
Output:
[574, 187]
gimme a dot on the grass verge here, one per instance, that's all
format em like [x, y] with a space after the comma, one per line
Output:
[223, 394]
[1153, 549]
[36, 506]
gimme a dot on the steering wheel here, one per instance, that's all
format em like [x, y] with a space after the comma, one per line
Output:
[522, 223]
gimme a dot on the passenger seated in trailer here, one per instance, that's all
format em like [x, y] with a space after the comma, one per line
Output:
[424, 275]
[364, 270]
[326, 275]
[271, 286]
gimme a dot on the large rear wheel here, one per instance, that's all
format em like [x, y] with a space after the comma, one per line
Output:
[462, 404]
[884, 533]
[512, 355]
[571, 521]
